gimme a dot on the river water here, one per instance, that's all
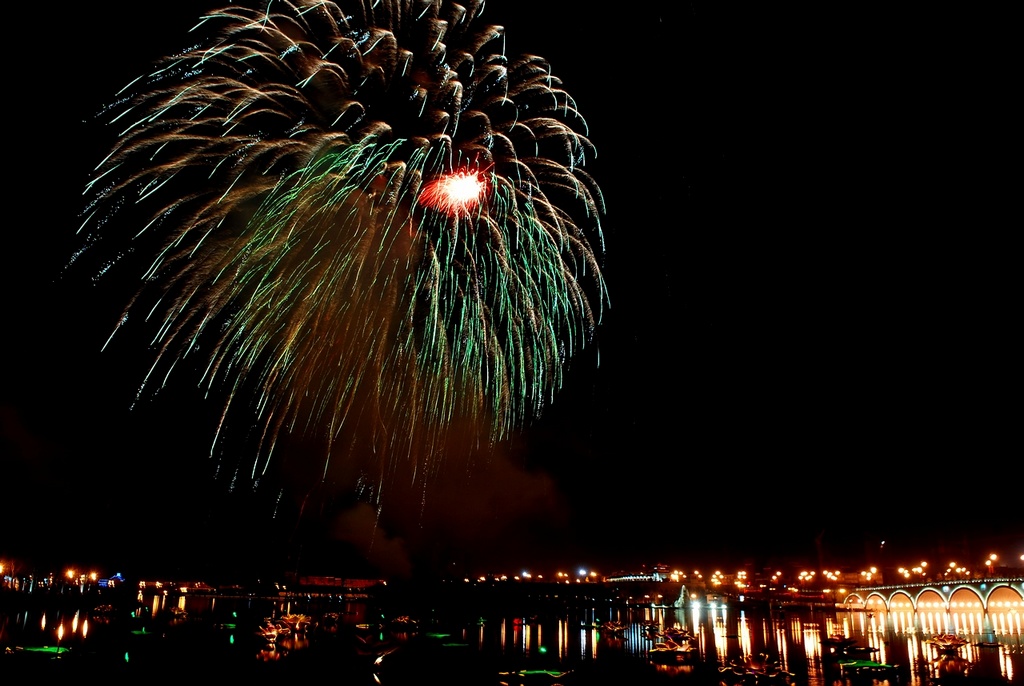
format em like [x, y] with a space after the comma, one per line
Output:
[369, 643]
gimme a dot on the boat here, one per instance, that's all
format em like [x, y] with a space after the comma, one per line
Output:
[369, 626]
[837, 643]
[673, 646]
[267, 632]
[867, 672]
[404, 623]
[613, 628]
[755, 670]
[528, 677]
[838, 647]
[298, 623]
[670, 652]
[947, 642]
[271, 631]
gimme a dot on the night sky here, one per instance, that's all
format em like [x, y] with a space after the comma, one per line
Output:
[810, 334]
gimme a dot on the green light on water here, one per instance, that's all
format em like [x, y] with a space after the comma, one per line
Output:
[126, 656]
[46, 649]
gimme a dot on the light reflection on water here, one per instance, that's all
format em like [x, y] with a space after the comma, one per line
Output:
[569, 638]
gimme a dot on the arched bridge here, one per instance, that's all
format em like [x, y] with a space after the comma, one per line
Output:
[946, 594]
[994, 604]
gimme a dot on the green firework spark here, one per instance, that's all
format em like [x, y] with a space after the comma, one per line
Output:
[270, 178]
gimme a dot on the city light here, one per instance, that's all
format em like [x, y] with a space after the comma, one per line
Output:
[809, 583]
[990, 564]
[868, 576]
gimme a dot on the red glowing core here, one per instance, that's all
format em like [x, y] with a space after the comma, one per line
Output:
[454, 194]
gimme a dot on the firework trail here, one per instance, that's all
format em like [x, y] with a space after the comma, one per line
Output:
[360, 218]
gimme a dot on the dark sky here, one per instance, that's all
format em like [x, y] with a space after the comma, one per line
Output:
[811, 329]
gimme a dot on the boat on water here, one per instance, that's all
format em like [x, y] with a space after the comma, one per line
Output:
[839, 647]
[755, 670]
[404, 623]
[297, 622]
[947, 642]
[673, 653]
[273, 629]
[530, 677]
[867, 671]
[673, 645]
[271, 632]
[613, 628]
[837, 642]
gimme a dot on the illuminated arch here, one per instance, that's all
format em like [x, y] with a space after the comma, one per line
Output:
[931, 598]
[989, 606]
[854, 600]
[967, 610]
[966, 596]
[1004, 610]
[876, 602]
[1002, 591]
[942, 592]
[901, 600]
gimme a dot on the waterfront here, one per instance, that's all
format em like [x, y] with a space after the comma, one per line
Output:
[479, 639]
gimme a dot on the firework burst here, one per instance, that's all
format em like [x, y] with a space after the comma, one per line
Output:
[359, 218]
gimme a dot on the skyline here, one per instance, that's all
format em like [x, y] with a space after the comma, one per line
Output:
[793, 306]
[791, 573]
